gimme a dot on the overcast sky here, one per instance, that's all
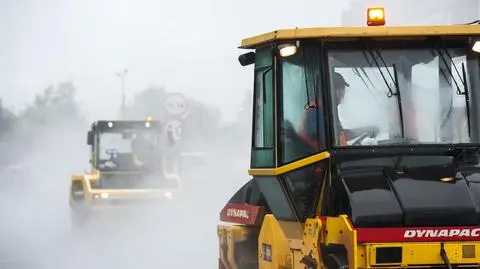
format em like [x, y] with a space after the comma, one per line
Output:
[184, 45]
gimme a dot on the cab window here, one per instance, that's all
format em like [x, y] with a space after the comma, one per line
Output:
[304, 185]
[301, 106]
[263, 144]
[274, 193]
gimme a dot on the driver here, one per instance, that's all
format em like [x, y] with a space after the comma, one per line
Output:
[309, 130]
[142, 150]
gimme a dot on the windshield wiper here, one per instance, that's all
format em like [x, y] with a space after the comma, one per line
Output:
[449, 69]
[467, 97]
[463, 80]
[394, 78]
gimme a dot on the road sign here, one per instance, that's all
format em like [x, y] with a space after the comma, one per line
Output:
[176, 104]
[176, 128]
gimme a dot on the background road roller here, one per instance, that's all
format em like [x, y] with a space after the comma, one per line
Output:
[126, 171]
[365, 150]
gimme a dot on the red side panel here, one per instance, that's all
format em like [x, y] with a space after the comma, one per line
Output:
[423, 234]
[242, 214]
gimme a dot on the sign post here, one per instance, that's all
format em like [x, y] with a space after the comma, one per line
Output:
[176, 108]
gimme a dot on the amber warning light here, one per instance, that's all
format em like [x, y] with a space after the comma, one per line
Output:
[375, 16]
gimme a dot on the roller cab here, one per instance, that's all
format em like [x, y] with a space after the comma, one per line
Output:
[365, 149]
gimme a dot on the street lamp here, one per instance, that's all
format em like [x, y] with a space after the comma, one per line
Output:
[122, 76]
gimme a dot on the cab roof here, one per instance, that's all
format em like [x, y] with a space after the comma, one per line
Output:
[358, 32]
[115, 125]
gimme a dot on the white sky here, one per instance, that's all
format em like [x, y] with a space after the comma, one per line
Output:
[185, 45]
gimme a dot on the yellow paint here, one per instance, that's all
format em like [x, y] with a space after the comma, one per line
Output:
[77, 177]
[234, 240]
[285, 240]
[425, 253]
[362, 256]
[234, 234]
[327, 178]
[338, 230]
[223, 246]
[311, 240]
[359, 32]
[291, 166]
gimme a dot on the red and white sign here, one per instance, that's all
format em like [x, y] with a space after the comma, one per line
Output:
[176, 128]
[176, 104]
[423, 234]
[242, 213]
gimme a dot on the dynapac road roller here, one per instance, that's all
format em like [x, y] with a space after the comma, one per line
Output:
[365, 150]
[127, 171]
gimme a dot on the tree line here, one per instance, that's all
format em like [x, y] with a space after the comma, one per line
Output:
[55, 108]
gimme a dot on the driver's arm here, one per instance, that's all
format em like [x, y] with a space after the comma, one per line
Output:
[136, 160]
[356, 132]
[352, 133]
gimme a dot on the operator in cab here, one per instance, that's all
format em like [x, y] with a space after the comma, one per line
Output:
[143, 151]
[308, 132]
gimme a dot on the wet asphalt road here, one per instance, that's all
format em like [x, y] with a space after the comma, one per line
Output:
[36, 233]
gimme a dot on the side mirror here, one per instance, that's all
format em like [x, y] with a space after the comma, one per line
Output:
[247, 58]
[90, 138]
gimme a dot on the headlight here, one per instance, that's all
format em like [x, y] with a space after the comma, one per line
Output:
[169, 195]
[476, 46]
[286, 50]
[103, 195]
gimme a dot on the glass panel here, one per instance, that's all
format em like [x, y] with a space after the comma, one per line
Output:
[264, 134]
[302, 120]
[263, 58]
[129, 149]
[263, 158]
[455, 124]
[263, 128]
[427, 107]
[275, 197]
[305, 186]
[259, 112]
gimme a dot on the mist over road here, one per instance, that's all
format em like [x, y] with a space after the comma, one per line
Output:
[35, 227]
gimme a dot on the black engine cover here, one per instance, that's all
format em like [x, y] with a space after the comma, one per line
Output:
[410, 193]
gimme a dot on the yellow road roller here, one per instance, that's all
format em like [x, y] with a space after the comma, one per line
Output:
[365, 150]
[126, 173]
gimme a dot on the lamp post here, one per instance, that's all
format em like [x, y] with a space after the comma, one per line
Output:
[122, 76]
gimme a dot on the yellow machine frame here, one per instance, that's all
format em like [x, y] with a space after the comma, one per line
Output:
[83, 196]
[286, 244]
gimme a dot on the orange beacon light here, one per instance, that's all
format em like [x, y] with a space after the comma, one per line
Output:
[375, 16]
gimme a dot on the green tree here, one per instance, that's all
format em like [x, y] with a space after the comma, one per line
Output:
[53, 118]
[7, 120]
[55, 105]
[147, 103]
[202, 122]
